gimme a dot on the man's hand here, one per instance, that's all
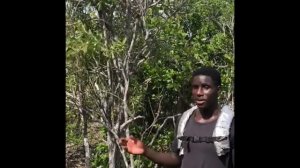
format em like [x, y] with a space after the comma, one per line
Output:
[132, 145]
[137, 147]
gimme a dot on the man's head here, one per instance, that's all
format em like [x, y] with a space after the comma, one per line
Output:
[206, 83]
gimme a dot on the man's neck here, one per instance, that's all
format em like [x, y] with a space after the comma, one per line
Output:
[207, 115]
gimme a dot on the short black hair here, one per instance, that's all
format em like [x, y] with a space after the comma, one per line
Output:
[209, 71]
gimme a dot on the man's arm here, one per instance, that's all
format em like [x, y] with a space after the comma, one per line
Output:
[137, 147]
[166, 159]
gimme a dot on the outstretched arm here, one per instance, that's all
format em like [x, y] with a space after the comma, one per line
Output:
[137, 147]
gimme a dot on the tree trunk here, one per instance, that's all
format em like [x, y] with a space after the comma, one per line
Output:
[86, 142]
[111, 151]
[85, 132]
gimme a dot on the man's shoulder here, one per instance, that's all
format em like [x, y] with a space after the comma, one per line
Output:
[191, 109]
[187, 113]
[227, 108]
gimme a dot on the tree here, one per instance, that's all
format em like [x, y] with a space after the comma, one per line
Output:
[128, 62]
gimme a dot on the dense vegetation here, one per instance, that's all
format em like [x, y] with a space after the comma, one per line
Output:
[128, 66]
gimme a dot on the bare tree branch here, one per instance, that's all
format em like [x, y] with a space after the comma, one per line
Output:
[161, 126]
[154, 3]
[129, 121]
[155, 118]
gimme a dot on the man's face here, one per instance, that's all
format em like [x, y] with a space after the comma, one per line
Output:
[204, 91]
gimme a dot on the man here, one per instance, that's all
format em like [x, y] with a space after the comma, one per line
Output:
[197, 144]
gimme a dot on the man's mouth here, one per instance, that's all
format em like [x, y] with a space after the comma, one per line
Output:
[200, 102]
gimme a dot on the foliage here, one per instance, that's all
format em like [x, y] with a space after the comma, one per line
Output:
[172, 39]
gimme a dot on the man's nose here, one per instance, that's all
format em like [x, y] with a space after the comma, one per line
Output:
[200, 92]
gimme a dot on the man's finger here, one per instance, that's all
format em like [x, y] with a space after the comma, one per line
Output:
[123, 141]
[132, 139]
